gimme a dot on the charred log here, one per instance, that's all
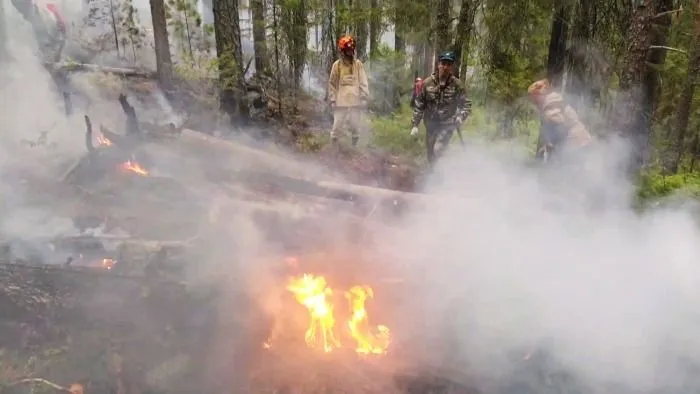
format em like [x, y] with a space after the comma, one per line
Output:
[132, 123]
[88, 135]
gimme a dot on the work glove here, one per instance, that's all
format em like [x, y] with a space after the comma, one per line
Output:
[414, 132]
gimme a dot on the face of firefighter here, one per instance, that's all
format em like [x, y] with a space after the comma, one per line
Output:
[348, 52]
[445, 69]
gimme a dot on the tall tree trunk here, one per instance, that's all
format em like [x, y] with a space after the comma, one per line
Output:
[262, 64]
[375, 28]
[227, 33]
[584, 66]
[360, 12]
[686, 100]
[443, 22]
[635, 105]
[299, 44]
[341, 23]
[164, 65]
[463, 35]
[328, 36]
[400, 28]
[657, 56]
[429, 58]
[556, 59]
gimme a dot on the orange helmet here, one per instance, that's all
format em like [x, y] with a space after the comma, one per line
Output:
[346, 42]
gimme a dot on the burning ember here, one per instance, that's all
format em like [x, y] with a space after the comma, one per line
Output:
[108, 264]
[104, 141]
[134, 166]
[313, 292]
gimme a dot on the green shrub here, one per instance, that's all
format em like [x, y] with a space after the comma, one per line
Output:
[654, 186]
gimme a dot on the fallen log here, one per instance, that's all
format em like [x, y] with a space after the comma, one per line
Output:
[86, 67]
[226, 154]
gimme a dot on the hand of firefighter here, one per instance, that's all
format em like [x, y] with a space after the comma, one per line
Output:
[414, 132]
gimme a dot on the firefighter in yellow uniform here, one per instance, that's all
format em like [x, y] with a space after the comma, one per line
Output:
[348, 93]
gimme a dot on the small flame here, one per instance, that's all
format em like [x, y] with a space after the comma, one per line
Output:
[367, 342]
[134, 166]
[312, 292]
[102, 140]
[108, 264]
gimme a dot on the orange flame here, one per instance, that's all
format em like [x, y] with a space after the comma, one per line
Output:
[367, 342]
[313, 292]
[134, 166]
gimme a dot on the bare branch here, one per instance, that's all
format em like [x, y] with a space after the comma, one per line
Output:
[662, 14]
[668, 49]
[40, 380]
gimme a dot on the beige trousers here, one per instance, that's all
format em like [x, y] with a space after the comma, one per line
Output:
[349, 119]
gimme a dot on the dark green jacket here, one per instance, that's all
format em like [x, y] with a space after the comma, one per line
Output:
[441, 103]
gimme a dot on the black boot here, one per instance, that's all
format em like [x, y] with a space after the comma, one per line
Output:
[354, 141]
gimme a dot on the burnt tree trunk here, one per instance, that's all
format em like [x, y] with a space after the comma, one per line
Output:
[556, 58]
[164, 65]
[463, 35]
[635, 105]
[375, 28]
[685, 102]
[227, 33]
[262, 65]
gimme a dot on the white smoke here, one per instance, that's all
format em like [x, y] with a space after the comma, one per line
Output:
[557, 256]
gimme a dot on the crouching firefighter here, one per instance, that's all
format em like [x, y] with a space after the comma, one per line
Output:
[562, 131]
[348, 92]
[442, 105]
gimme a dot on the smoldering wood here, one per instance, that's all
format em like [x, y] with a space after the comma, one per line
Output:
[132, 127]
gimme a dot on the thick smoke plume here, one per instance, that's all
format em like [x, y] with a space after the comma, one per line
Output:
[553, 261]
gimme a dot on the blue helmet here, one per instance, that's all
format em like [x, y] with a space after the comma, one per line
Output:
[448, 56]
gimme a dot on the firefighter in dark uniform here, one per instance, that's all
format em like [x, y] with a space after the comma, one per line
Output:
[442, 105]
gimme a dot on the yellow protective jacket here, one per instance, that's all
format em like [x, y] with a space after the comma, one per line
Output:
[347, 84]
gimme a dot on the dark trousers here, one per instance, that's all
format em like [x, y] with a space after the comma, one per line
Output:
[437, 133]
